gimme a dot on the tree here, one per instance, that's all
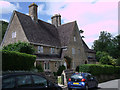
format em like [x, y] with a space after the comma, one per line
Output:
[22, 47]
[3, 28]
[103, 43]
[81, 32]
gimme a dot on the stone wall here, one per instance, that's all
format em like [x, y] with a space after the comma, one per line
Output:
[104, 78]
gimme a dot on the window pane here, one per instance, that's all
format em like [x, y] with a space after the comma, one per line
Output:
[51, 50]
[48, 65]
[41, 49]
[8, 82]
[39, 81]
[73, 51]
[38, 49]
[23, 81]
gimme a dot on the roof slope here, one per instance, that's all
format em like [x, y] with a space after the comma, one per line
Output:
[87, 48]
[65, 32]
[39, 32]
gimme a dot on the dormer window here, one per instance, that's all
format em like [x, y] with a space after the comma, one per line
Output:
[74, 39]
[40, 49]
[13, 34]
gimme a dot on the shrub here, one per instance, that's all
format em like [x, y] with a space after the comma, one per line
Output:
[60, 70]
[39, 67]
[22, 47]
[118, 61]
[12, 60]
[97, 69]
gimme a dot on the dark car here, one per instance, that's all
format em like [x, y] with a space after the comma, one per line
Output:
[82, 81]
[27, 81]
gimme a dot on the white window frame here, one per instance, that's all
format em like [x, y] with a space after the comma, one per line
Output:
[46, 66]
[14, 34]
[40, 49]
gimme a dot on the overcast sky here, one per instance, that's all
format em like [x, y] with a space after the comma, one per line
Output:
[92, 16]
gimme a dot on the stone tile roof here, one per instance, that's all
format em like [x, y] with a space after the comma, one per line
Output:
[65, 32]
[45, 33]
[39, 32]
[87, 48]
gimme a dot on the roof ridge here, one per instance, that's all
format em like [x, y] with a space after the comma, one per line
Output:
[67, 23]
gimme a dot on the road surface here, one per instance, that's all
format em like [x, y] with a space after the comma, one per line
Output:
[112, 85]
[109, 85]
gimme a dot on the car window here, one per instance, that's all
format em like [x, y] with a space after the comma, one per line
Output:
[39, 81]
[8, 82]
[77, 76]
[24, 81]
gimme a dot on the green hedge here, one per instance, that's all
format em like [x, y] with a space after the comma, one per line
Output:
[97, 69]
[12, 60]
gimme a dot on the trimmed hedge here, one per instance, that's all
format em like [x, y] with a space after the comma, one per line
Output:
[97, 69]
[12, 60]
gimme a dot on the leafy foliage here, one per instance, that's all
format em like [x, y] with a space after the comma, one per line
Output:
[12, 60]
[22, 47]
[60, 70]
[107, 48]
[39, 67]
[3, 28]
[97, 69]
[103, 43]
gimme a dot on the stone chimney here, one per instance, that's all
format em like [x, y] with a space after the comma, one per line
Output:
[56, 20]
[33, 12]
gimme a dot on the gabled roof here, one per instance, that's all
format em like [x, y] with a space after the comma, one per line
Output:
[39, 32]
[65, 32]
[87, 48]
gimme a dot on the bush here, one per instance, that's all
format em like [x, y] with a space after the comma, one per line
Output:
[97, 69]
[39, 67]
[22, 47]
[118, 61]
[12, 60]
[60, 70]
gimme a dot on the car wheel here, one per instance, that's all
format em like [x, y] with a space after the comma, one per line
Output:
[96, 86]
[86, 87]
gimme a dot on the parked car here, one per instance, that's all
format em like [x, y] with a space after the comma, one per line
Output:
[27, 81]
[82, 81]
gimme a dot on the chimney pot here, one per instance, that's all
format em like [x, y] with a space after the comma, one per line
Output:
[56, 20]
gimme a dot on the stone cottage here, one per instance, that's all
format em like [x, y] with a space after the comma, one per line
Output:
[52, 41]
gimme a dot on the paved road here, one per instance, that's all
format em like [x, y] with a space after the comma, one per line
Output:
[109, 85]
[112, 85]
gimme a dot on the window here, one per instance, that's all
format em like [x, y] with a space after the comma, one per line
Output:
[24, 81]
[40, 49]
[39, 81]
[52, 50]
[74, 39]
[13, 34]
[8, 82]
[46, 66]
[73, 51]
[55, 64]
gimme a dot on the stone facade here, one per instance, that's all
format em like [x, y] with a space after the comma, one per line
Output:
[14, 26]
[75, 49]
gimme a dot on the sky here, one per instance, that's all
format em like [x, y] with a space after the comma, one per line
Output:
[92, 16]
